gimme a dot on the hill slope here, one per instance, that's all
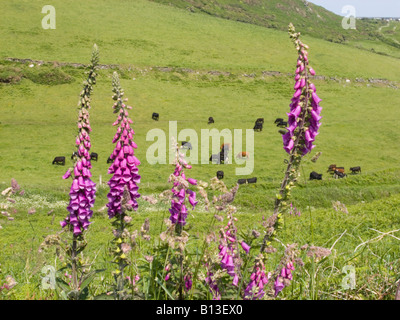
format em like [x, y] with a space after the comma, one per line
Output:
[277, 14]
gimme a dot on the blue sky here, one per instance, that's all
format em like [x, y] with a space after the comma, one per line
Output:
[364, 8]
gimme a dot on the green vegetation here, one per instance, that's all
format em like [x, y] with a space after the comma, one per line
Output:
[188, 67]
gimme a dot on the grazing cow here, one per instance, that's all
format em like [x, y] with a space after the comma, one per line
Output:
[258, 127]
[252, 180]
[220, 157]
[210, 120]
[243, 155]
[260, 120]
[186, 145]
[355, 170]
[226, 147]
[220, 175]
[337, 174]
[282, 124]
[74, 154]
[94, 156]
[155, 116]
[278, 120]
[59, 160]
[242, 181]
[315, 176]
[109, 160]
[331, 168]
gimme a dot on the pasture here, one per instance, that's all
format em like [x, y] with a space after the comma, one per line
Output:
[188, 67]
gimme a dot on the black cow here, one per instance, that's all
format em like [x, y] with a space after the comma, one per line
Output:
[355, 170]
[315, 176]
[278, 120]
[258, 127]
[59, 160]
[260, 120]
[220, 175]
[109, 160]
[337, 174]
[94, 156]
[74, 154]
[186, 145]
[282, 124]
[210, 120]
[252, 180]
[242, 181]
[155, 116]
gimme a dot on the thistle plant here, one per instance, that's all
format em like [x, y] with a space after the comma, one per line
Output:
[83, 189]
[123, 185]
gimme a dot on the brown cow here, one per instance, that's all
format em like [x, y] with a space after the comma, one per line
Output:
[243, 155]
[331, 167]
[226, 147]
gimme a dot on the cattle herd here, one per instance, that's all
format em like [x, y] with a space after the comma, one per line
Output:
[222, 156]
[337, 172]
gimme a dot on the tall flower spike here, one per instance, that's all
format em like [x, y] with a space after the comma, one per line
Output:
[124, 168]
[304, 116]
[229, 248]
[258, 280]
[83, 189]
[180, 189]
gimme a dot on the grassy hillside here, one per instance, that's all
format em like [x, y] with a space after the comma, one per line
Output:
[372, 35]
[157, 35]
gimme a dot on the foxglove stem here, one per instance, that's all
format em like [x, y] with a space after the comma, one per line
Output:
[83, 189]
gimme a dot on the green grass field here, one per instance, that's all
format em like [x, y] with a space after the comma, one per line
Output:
[39, 113]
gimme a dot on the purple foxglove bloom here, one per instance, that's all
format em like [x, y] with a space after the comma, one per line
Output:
[67, 174]
[178, 209]
[235, 280]
[82, 192]
[245, 247]
[301, 115]
[278, 286]
[297, 93]
[124, 168]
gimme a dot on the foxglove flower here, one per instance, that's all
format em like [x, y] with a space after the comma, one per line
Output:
[284, 278]
[83, 189]
[228, 247]
[258, 279]
[304, 116]
[124, 166]
[180, 190]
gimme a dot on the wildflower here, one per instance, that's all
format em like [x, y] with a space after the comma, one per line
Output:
[179, 190]
[285, 275]
[124, 168]
[188, 282]
[230, 260]
[83, 189]
[212, 284]
[258, 279]
[245, 246]
[304, 116]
